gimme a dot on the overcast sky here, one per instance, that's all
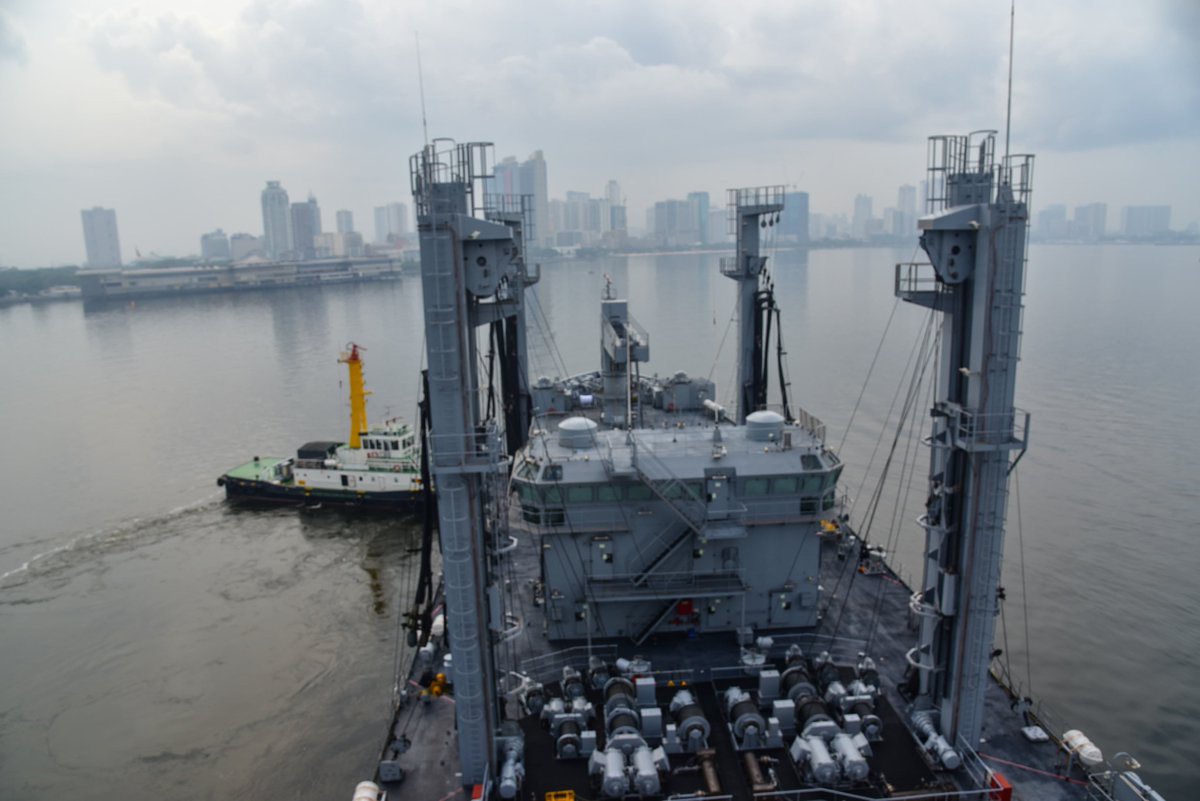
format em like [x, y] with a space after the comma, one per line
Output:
[176, 113]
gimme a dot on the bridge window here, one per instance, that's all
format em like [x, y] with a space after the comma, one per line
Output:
[754, 486]
[580, 494]
[608, 493]
[638, 492]
[785, 486]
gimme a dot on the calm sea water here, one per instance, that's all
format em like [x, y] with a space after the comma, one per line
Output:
[159, 644]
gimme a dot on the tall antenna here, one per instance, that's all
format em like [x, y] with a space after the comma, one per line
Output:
[1012, 17]
[421, 83]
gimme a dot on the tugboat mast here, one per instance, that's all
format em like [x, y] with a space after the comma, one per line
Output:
[975, 236]
[358, 394]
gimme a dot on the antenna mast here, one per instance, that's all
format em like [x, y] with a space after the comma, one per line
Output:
[421, 84]
[1012, 21]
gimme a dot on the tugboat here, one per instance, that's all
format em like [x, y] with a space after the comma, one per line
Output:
[379, 468]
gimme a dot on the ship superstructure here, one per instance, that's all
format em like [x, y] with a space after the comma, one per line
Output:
[667, 600]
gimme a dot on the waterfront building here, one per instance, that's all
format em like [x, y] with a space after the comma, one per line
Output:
[100, 237]
[304, 230]
[906, 207]
[793, 220]
[1143, 221]
[860, 226]
[244, 246]
[345, 221]
[277, 221]
[1091, 221]
[528, 177]
[698, 211]
[214, 246]
[1052, 222]
[391, 222]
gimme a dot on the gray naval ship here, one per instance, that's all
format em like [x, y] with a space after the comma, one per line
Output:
[645, 595]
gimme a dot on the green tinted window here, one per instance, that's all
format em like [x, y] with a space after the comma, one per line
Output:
[552, 495]
[580, 494]
[812, 483]
[754, 486]
[785, 486]
[608, 492]
[638, 492]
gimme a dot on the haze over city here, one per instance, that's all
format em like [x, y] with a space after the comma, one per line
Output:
[177, 114]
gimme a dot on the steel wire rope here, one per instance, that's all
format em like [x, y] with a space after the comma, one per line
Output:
[871, 368]
[912, 355]
[900, 508]
[915, 385]
[918, 369]
[917, 343]
[1024, 585]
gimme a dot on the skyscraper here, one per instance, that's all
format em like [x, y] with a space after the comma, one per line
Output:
[277, 223]
[793, 222]
[100, 237]
[860, 227]
[698, 205]
[906, 205]
[345, 221]
[1142, 221]
[390, 221]
[304, 231]
[1091, 221]
[314, 212]
[526, 178]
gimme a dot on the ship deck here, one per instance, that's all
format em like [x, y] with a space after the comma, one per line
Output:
[864, 612]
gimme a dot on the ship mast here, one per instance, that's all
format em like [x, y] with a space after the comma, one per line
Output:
[751, 211]
[472, 273]
[975, 235]
[358, 393]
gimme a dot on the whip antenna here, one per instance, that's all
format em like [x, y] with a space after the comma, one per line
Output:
[1012, 16]
[421, 84]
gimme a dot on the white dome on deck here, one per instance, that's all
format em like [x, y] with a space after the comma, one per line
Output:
[764, 426]
[577, 433]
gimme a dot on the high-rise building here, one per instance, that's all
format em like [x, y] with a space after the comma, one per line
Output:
[698, 207]
[1052, 222]
[100, 237]
[314, 212]
[277, 221]
[1091, 221]
[612, 191]
[345, 221]
[906, 207]
[860, 226]
[243, 246]
[214, 246]
[793, 222]
[1141, 221]
[391, 222]
[304, 233]
[528, 177]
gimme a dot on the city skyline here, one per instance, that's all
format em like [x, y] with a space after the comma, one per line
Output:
[837, 99]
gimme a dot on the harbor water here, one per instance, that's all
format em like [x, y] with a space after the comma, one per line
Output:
[158, 643]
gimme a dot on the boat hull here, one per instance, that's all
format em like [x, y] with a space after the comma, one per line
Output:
[248, 491]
